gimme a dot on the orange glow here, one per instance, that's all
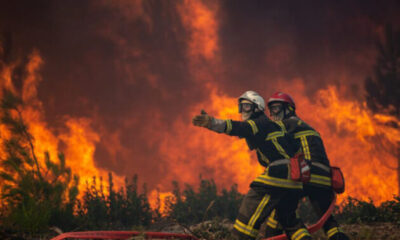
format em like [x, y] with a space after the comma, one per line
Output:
[355, 139]
[158, 200]
[226, 159]
[200, 20]
[79, 138]
[80, 142]
[362, 143]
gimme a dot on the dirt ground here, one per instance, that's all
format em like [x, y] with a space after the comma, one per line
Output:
[211, 230]
[376, 231]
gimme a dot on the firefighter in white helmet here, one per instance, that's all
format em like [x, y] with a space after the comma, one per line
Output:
[282, 108]
[274, 188]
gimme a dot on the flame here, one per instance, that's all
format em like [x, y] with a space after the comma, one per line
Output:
[225, 159]
[363, 144]
[158, 200]
[77, 135]
[349, 130]
[200, 20]
[355, 139]
[357, 142]
[80, 141]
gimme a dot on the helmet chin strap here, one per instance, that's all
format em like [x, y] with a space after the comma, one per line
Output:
[289, 112]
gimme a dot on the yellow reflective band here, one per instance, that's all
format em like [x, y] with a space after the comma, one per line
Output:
[273, 135]
[306, 133]
[306, 149]
[272, 216]
[278, 182]
[280, 123]
[271, 220]
[299, 122]
[271, 224]
[228, 126]
[259, 209]
[263, 157]
[243, 228]
[318, 179]
[332, 231]
[299, 234]
[280, 148]
[253, 126]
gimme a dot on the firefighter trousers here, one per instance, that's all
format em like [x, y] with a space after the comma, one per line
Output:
[320, 198]
[258, 204]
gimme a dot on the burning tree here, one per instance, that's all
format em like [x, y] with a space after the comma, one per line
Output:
[38, 189]
[34, 194]
[35, 191]
[383, 89]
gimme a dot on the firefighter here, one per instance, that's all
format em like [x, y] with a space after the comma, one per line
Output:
[273, 189]
[318, 189]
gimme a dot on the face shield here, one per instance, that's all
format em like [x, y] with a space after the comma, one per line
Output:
[246, 108]
[276, 111]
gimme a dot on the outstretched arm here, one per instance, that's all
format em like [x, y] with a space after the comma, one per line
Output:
[233, 128]
[207, 121]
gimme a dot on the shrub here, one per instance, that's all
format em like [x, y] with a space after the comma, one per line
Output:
[190, 206]
[115, 210]
[357, 211]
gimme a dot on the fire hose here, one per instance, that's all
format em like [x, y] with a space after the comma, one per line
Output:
[159, 235]
[123, 235]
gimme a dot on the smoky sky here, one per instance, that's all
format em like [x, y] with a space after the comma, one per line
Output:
[126, 67]
[327, 39]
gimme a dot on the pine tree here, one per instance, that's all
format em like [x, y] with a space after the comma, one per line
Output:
[35, 195]
[383, 89]
[34, 192]
[190, 206]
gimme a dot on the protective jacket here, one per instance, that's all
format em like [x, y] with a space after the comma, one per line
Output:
[273, 189]
[273, 146]
[318, 189]
[310, 143]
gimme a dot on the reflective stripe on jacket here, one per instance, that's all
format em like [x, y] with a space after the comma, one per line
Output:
[310, 143]
[272, 143]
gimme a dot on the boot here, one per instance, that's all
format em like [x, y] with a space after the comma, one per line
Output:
[339, 236]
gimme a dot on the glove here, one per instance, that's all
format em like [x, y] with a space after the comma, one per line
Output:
[202, 120]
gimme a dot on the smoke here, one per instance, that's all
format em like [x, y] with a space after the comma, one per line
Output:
[140, 69]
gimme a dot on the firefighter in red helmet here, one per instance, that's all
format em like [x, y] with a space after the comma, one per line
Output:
[273, 189]
[281, 106]
[283, 109]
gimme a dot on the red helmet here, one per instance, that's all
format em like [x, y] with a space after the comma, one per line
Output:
[282, 97]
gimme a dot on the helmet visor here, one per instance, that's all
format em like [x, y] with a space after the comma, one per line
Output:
[275, 108]
[246, 107]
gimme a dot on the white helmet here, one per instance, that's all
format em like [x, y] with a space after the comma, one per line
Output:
[254, 98]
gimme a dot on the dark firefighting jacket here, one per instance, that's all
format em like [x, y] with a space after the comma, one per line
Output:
[310, 143]
[273, 147]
